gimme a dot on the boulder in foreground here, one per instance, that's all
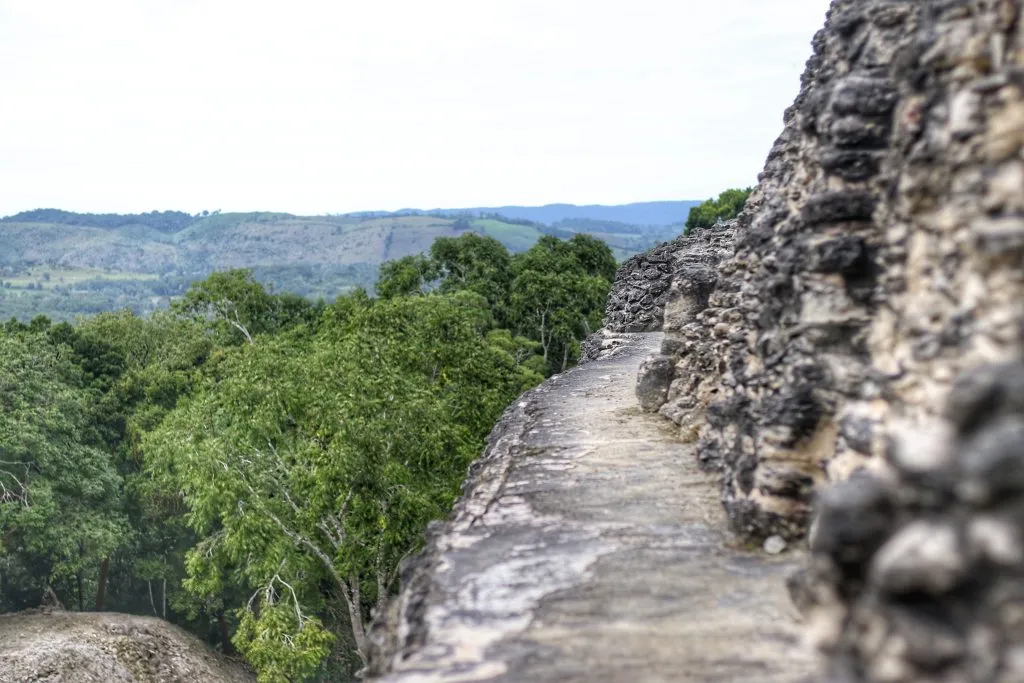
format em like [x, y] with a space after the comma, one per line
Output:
[77, 647]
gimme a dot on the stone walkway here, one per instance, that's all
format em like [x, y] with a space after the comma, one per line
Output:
[589, 547]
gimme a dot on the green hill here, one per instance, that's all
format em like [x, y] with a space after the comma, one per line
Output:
[63, 264]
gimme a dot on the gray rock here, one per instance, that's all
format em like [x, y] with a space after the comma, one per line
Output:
[653, 378]
[993, 461]
[835, 207]
[854, 518]
[74, 647]
[924, 557]
[774, 545]
[943, 586]
[879, 258]
[984, 393]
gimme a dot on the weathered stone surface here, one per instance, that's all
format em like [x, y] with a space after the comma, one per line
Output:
[879, 256]
[636, 302]
[652, 382]
[77, 647]
[930, 584]
[601, 344]
[587, 546]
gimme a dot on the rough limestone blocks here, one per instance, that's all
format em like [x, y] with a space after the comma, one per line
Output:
[881, 254]
[881, 257]
[637, 300]
[917, 572]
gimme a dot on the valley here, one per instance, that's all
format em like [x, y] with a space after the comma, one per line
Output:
[62, 264]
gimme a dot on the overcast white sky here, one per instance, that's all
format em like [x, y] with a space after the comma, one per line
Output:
[324, 106]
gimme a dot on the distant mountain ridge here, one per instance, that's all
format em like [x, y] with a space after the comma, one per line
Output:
[663, 213]
[638, 213]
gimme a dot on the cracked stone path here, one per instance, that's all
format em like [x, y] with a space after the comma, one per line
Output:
[588, 546]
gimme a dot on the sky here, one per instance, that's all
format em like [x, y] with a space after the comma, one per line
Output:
[331, 106]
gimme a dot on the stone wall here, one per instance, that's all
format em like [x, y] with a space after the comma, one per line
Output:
[637, 300]
[917, 571]
[771, 344]
[880, 255]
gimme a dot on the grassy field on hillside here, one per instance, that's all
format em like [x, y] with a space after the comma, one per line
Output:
[50, 278]
[141, 266]
[515, 237]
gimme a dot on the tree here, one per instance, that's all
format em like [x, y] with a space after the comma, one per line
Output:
[593, 256]
[157, 361]
[59, 492]
[310, 466]
[232, 302]
[254, 466]
[237, 308]
[728, 205]
[405, 276]
[475, 263]
[558, 294]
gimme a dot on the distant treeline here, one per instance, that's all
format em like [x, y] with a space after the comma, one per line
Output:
[164, 221]
[661, 214]
[458, 214]
[174, 221]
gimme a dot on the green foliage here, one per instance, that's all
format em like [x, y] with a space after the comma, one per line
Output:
[164, 221]
[593, 257]
[253, 466]
[473, 263]
[405, 276]
[278, 642]
[162, 360]
[59, 492]
[727, 205]
[237, 308]
[312, 462]
[552, 294]
[558, 293]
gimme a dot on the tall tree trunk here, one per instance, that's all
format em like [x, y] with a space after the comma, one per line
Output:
[101, 590]
[355, 616]
[225, 640]
[163, 599]
[382, 593]
[565, 357]
[78, 577]
[545, 341]
[149, 585]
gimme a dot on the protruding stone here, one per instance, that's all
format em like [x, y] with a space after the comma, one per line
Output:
[864, 96]
[774, 545]
[652, 382]
[995, 540]
[852, 165]
[854, 519]
[834, 207]
[924, 557]
[922, 450]
[984, 393]
[858, 132]
[993, 461]
[1000, 235]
